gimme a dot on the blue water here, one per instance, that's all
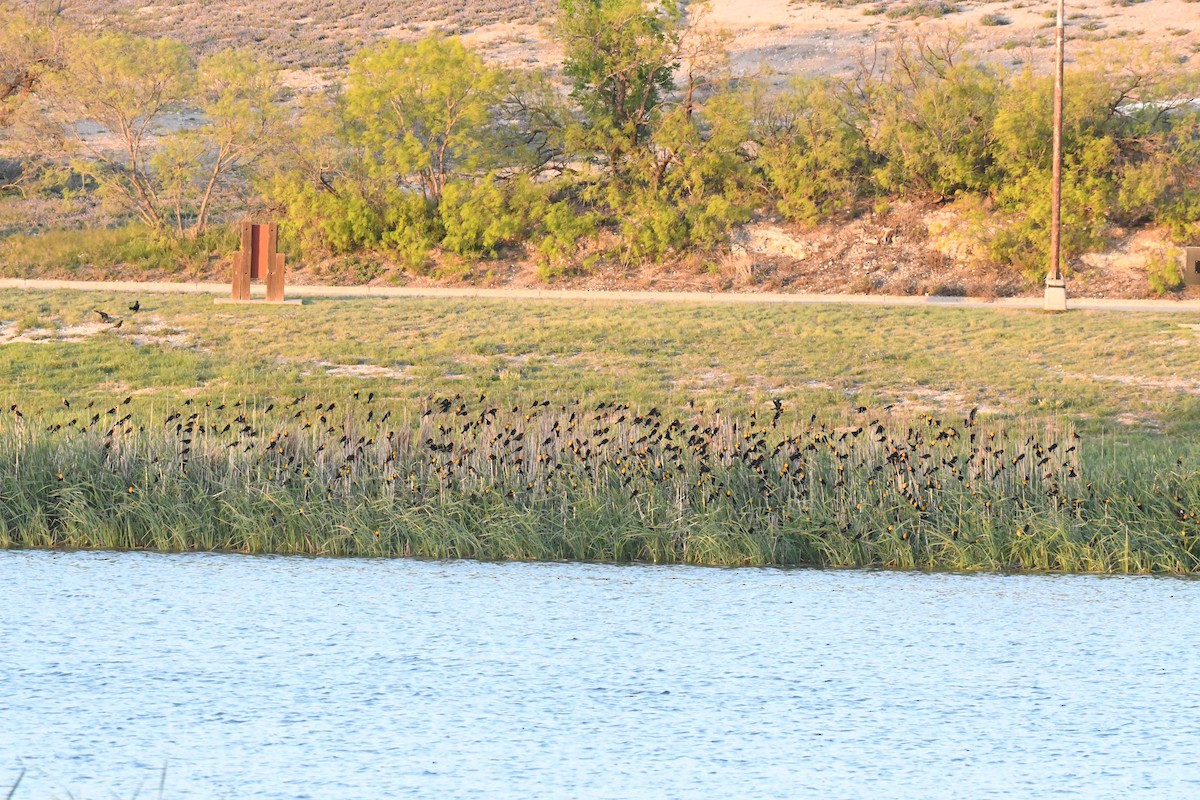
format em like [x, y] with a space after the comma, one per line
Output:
[252, 677]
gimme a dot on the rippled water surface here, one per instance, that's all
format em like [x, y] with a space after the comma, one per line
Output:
[253, 677]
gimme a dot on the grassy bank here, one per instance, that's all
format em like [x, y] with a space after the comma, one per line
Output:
[599, 430]
[466, 478]
[1097, 370]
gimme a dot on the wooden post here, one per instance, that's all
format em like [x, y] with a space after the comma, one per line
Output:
[248, 248]
[241, 277]
[242, 264]
[275, 280]
[1056, 286]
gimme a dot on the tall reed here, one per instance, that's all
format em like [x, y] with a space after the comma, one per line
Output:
[613, 483]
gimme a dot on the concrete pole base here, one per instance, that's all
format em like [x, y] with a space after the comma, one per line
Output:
[258, 301]
[1056, 295]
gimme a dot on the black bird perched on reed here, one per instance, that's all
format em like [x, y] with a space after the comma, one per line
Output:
[104, 315]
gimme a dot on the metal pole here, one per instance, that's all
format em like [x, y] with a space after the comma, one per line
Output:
[1056, 290]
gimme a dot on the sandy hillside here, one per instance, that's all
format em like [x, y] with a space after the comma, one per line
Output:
[794, 37]
[789, 37]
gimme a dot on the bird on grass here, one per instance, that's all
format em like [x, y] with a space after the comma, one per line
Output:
[104, 315]
[136, 307]
[120, 322]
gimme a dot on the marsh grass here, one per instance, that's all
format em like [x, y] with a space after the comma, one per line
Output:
[612, 482]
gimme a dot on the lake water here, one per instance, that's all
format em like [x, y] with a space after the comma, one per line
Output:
[252, 677]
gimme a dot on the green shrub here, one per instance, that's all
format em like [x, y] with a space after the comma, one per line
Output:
[358, 269]
[369, 167]
[651, 226]
[690, 184]
[922, 8]
[931, 113]
[1023, 234]
[480, 216]
[1093, 145]
[1163, 270]
[812, 154]
[1182, 218]
[411, 230]
[1160, 180]
[422, 112]
[563, 229]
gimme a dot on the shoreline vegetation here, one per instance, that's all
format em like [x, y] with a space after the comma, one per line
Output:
[307, 429]
[350, 475]
[642, 150]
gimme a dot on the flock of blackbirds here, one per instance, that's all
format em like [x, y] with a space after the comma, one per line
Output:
[539, 452]
[108, 318]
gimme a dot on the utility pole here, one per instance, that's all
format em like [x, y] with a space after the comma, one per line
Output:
[1056, 286]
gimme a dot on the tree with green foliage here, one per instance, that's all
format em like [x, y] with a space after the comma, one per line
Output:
[422, 112]
[319, 182]
[110, 102]
[428, 146]
[690, 185]
[811, 149]
[479, 216]
[240, 97]
[929, 104]
[1114, 122]
[536, 119]
[1159, 144]
[621, 57]
[31, 45]
[675, 170]
[116, 104]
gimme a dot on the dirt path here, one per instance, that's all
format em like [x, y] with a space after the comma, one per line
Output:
[299, 292]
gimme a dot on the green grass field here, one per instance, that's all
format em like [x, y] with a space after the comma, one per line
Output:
[1118, 372]
[714, 434]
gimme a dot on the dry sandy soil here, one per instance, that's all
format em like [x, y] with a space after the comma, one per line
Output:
[888, 254]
